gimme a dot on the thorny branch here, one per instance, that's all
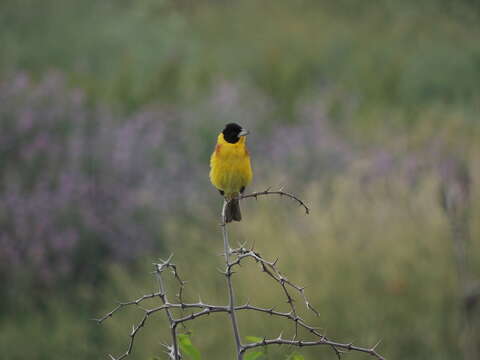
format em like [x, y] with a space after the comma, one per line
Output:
[233, 258]
[276, 192]
[163, 296]
[228, 274]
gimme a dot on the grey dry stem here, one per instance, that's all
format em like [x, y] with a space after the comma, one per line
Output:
[171, 320]
[228, 274]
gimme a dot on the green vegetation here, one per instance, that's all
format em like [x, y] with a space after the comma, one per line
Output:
[363, 109]
[384, 55]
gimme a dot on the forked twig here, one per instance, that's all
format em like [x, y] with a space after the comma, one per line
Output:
[270, 268]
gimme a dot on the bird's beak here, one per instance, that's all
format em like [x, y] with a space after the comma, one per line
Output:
[244, 132]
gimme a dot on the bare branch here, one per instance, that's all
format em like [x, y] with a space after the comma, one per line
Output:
[121, 305]
[321, 341]
[163, 295]
[233, 258]
[133, 333]
[270, 268]
[278, 192]
[228, 273]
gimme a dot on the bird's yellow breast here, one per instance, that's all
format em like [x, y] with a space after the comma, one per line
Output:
[230, 168]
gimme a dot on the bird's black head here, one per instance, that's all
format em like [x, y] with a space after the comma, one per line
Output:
[232, 132]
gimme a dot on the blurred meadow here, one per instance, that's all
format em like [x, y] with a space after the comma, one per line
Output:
[109, 111]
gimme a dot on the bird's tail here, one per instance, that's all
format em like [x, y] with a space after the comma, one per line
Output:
[232, 211]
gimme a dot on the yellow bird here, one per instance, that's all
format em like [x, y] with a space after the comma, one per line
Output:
[230, 169]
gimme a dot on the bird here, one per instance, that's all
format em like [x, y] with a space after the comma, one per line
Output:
[230, 168]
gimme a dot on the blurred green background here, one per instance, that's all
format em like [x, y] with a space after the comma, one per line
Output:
[368, 110]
